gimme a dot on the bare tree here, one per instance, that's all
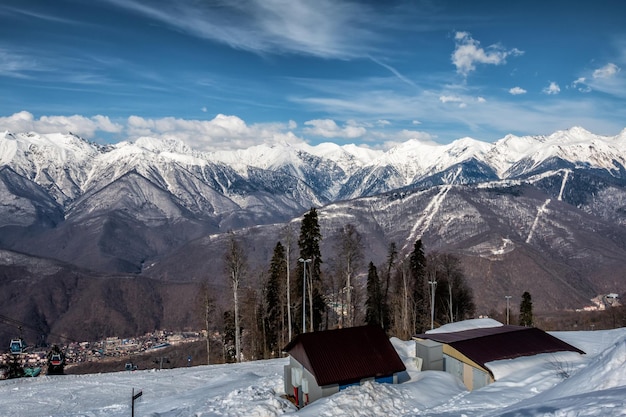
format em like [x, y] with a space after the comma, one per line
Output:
[236, 267]
[208, 310]
[350, 254]
[402, 300]
[454, 296]
[289, 238]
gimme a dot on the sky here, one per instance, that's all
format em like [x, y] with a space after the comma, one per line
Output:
[229, 74]
[559, 384]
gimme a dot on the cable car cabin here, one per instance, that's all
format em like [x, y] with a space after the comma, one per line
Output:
[56, 359]
[56, 362]
[17, 346]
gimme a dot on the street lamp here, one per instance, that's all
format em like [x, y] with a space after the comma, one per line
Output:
[433, 286]
[508, 297]
[304, 262]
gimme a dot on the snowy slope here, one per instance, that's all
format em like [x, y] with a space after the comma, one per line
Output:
[596, 386]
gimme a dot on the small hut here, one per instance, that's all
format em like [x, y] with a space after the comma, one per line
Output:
[466, 353]
[323, 363]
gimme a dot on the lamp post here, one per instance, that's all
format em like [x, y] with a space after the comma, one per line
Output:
[508, 297]
[433, 286]
[304, 262]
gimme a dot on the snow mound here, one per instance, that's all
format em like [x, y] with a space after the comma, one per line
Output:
[596, 389]
[466, 325]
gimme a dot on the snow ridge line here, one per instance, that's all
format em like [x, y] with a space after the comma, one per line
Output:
[540, 211]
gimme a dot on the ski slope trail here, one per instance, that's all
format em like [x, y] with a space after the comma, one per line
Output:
[423, 222]
[540, 211]
[566, 173]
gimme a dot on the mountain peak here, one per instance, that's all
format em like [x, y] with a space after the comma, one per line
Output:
[573, 134]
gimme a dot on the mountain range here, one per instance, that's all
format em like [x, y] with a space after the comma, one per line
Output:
[545, 214]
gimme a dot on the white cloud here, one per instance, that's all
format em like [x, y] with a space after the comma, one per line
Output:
[222, 132]
[383, 122]
[607, 71]
[481, 99]
[468, 52]
[552, 89]
[581, 85]
[450, 99]
[329, 129]
[79, 125]
[517, 91]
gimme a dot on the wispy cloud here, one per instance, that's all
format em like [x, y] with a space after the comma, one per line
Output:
[394, 72]
[607, 79]
[324, 28]
[468, 52]
[517, 91]
[14, 11]
[16, 65]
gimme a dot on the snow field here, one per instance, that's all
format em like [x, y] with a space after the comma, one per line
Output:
[562, 384]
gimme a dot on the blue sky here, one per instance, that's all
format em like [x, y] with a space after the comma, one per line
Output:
[234, 73]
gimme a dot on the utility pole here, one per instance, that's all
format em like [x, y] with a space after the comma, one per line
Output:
[433, 287]
[508, 297]
[304, 262]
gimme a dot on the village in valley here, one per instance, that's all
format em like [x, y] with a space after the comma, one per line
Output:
[34, 359]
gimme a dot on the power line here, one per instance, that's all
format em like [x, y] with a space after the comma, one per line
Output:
[21, 325]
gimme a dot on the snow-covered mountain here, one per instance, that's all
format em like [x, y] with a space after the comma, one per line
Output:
[544, 212]
[70, 168]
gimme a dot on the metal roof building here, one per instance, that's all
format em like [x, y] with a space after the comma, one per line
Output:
[466, 353]
[322, 363]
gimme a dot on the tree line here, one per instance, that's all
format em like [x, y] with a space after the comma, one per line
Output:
[406, 294]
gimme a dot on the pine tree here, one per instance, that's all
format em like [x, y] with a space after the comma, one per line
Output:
[374, 303]
[526, 310]
[392, 255]
[417, 267]
[308, 242]
[272, 303]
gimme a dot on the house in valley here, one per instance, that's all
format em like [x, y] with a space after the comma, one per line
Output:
[325, 362]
